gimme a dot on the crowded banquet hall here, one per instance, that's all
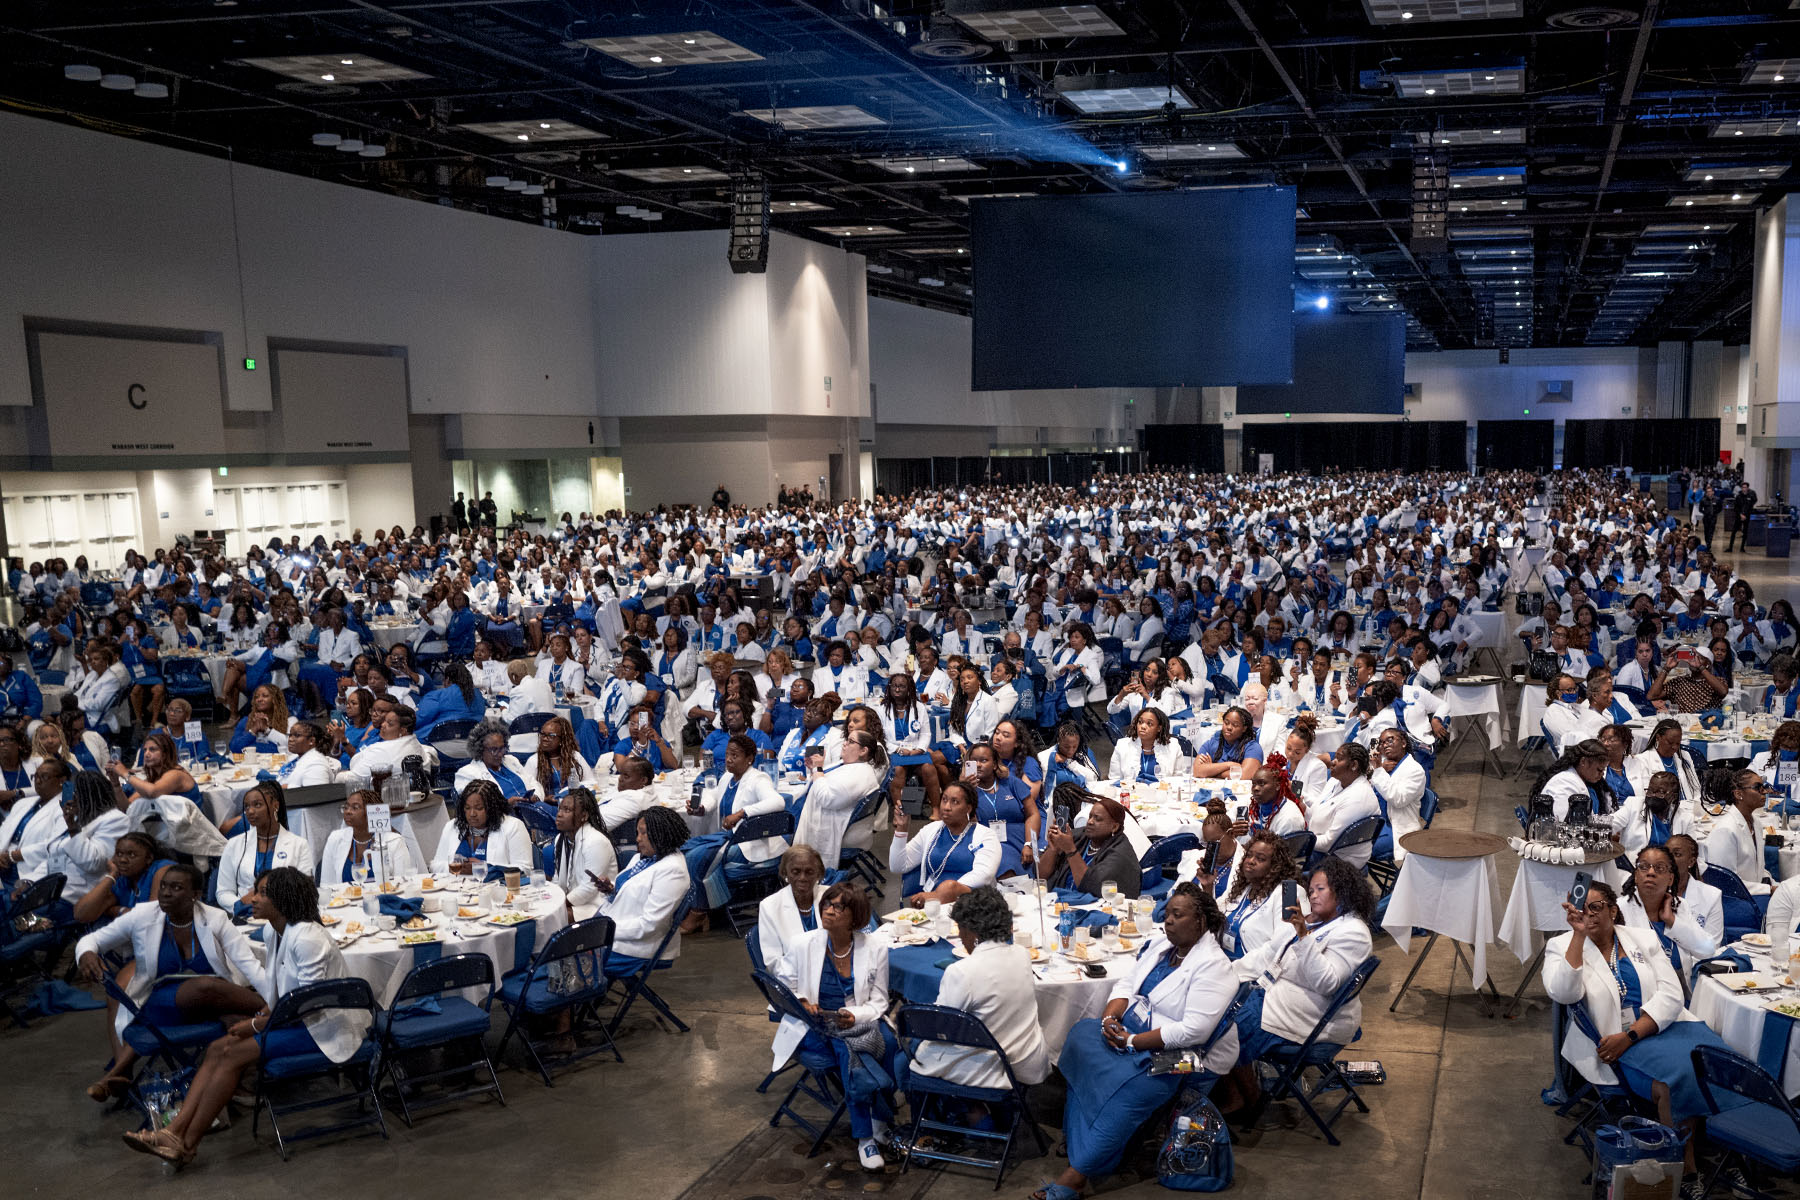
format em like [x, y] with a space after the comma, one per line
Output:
[928, 599]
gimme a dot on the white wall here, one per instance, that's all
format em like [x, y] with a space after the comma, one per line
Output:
[494, 314]
[380, 496]
[681, 462]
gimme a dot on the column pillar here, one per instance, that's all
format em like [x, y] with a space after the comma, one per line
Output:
[1774, 387]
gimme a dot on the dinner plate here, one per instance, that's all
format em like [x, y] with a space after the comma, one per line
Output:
[508, 920]
[436, 886]
[1760, 940]
[1095, 953]
[469, 912]
[908, 916]
[1748, 983]
[419, 937]
[431, 923]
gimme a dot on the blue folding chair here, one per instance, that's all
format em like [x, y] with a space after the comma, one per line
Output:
[1321, 1056]
[450, 740]
[1163, 853]
[1428, 807]
[1738, 903]
[29, 957]
[820, 1080]
[636, 985]
[1766, 1131]
[920, 1023]
[749, 882]
[1362, 832]
[538, 817]
[861, 860]
[532, 992]
[292, 1069]
[529, 723]
[187, 679]
[427, 1015]
[1604, 1103]
[172, 1050]
[1300, 844]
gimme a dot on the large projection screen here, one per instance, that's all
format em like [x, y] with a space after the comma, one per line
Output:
[1343, 363]
[1174, 289]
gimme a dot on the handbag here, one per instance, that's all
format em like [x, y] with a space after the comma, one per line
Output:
[1196, 1153]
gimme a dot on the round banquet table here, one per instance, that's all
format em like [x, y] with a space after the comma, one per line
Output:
[1447, 884]
[213, 661]
[1746, 1023]
[1065, 994]
[381, 960]
[389, 635]
[1534, 906]
[1199, 728]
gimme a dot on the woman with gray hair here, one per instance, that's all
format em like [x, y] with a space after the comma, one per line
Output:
[783, 917]
[993, 984]
[490, 761]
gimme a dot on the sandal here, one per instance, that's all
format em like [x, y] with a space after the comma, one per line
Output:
[1055, 1191]
[109, 1088]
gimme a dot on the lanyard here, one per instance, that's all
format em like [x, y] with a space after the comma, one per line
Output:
[930, 877]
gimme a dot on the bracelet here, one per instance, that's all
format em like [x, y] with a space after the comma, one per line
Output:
[1131, 1041]
[253, 1028]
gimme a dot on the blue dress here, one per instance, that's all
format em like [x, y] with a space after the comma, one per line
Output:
[128, 894]
[159, 1008]
[1666, 1056]
[869, 1095]
[1005, 802]
[946, 859]
[1111, 1093]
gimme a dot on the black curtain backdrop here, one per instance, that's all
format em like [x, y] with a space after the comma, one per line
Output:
[1358, 445]
[1653, 444]
[1515, 445]
[1194, 447]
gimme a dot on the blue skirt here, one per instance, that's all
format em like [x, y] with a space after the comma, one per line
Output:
[1254, 1041]
[159, 1008]
[287, 1041]
[1667, 1057]
[1111, 1095]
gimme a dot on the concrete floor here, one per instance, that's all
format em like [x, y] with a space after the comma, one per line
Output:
[1460, 1115]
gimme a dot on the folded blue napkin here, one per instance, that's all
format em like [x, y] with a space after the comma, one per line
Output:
[401, 908]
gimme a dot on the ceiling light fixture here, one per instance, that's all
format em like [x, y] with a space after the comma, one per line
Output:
[151, 91]
[82, 73]
[497, 181]
[328, 77]
[350, 145]
[656, 58]
[117, 83]
[373, 150]
[517, 185]
[326, 139]
[523, 137]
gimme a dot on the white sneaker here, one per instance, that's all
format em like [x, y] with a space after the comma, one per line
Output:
[870, 1154]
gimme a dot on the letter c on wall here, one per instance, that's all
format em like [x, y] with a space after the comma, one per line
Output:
[131, 396]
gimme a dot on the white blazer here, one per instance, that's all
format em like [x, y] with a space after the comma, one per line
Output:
[918, 731]
[1092, 664]
[756, 796]
[475, 771]
[1688, 933]
[826, 807]
[237, 865]
[1631, 823]
[1734, 846]
[995, 985]
[1331, 814]
[1784, 911]
[1299, 976]
[225, 945]
[644, 907]
[979, 722]
[304, 954]
[591, 851]
[1262, 921]
[1594, 983]
[905, 853]
[1128, 756]
[388, 756]
[800, 969]
[581, 775]
[1187, 1005]
[394, 852]
[1404, 790]
[507, 846]
[778, 924]
[1684, 771]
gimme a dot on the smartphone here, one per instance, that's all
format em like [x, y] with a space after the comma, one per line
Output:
[1290, 899]
[1299, 786]
[1209, 858]
[1578, 891]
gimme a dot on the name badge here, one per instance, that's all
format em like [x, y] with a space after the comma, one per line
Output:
[1787, 773]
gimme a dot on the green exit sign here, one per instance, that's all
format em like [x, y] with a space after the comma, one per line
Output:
[249, 364]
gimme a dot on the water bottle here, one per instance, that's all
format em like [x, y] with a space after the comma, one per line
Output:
[1184, 1131]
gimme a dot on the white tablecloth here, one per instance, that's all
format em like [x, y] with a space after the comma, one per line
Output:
[1535, 905]
[1479, 702]
[1531, 711]
[1493, 628]
[384, 962]
[1738, 1019]
[1326, 738]
[389, 636]
[1456, 897]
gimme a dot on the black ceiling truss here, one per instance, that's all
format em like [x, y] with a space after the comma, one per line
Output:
[1622, 109]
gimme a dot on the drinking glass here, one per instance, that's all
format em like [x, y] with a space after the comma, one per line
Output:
[1110, 939]
[386, 923]
[933, 908]
[1083, 935]
[537, 877]
[360, 872]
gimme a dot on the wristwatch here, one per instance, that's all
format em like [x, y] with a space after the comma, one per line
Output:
[1633, 1035]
